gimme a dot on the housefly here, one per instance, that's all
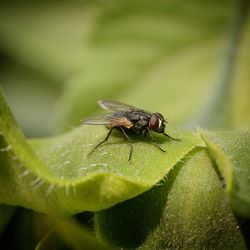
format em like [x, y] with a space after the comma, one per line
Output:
[128, 119]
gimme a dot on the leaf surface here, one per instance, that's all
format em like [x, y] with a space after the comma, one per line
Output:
[231, 153]
[188, 211]
[56, 176]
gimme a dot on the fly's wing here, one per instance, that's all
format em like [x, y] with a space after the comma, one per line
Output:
[110, 120]
[115, 106]
[103, 119]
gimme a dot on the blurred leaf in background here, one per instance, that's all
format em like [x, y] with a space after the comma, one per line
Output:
[188, 60]
[119, 50]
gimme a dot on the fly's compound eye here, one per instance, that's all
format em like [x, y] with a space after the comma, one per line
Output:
[155, 122]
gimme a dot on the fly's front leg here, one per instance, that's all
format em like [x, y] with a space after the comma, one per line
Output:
[99, 144]
[170, 137]
[153, 140]
[130, 142]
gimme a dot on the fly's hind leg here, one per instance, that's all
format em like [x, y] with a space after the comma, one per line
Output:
[154, 142]
[130, 142]
[99, 144]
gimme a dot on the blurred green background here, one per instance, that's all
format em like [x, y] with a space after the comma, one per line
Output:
[59, 57]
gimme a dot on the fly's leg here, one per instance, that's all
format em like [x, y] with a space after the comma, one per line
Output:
[99, 144]
[170, 137]
[130, 142]
[154, 142]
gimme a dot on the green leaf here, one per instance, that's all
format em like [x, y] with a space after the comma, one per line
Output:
[240, 91]
[120, 50]
[22, 87]
[68, 232]
[42, 30]
[143, 83]
[56, 176]
[161, 56]
[231, 153]
[188, 211]
[50, 241]
[226, 106]
[154, 74]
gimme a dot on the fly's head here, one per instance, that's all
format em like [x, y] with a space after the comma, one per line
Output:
[157, 123]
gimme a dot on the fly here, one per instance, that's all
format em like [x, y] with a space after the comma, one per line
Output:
[128, 119]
